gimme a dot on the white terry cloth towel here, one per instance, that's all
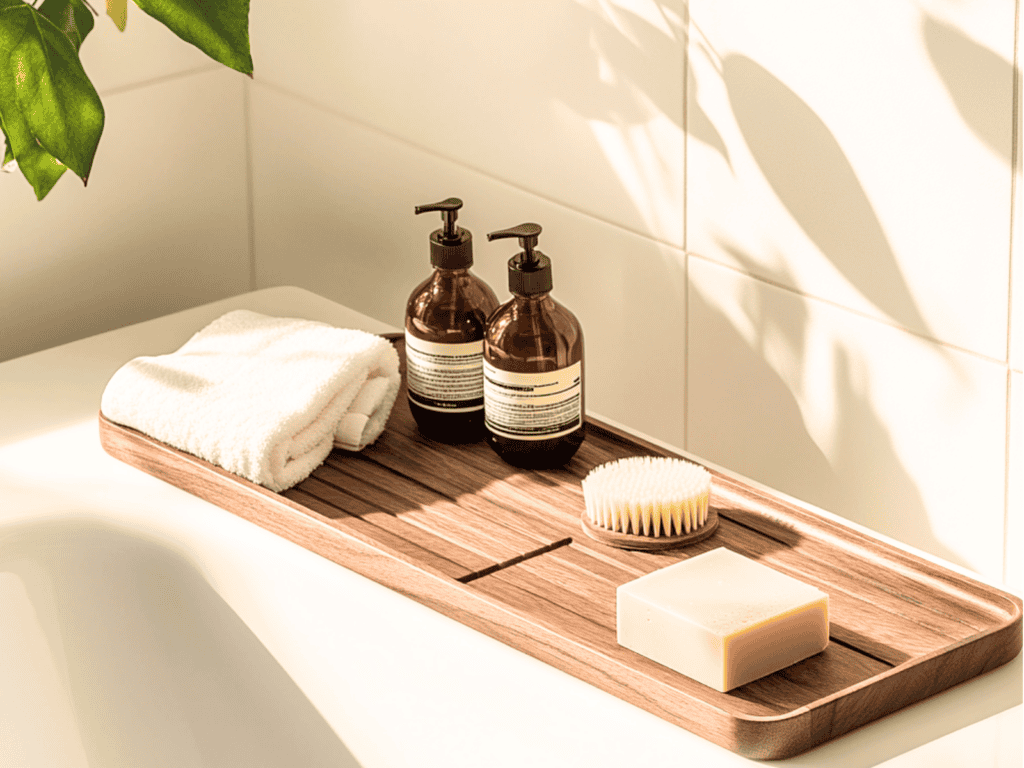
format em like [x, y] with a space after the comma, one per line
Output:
[263, 397]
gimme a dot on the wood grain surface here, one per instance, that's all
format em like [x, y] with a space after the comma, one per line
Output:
[501, 550]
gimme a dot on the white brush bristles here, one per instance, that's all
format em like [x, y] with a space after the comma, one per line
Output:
[648, 496]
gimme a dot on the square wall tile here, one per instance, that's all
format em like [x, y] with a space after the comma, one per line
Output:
[334, 214]
[163, 224]
[860, 153]
[894, 432]
[578, 101]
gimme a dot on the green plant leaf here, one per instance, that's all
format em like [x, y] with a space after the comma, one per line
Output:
[8, 152]
[38, 166]
[50, 111]
[72, 17]
[41, 169]
[118, 11]
[219, 28]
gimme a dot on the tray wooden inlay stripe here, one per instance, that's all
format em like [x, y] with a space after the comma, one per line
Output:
[501, 550]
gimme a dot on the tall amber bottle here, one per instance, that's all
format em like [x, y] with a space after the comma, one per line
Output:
[445, 319]
[533, 365]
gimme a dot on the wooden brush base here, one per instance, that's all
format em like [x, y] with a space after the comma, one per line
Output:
[649, 543]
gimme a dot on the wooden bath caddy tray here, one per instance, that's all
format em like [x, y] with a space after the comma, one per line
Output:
[502, 551]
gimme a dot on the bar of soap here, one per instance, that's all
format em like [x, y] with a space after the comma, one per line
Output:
[722, 618]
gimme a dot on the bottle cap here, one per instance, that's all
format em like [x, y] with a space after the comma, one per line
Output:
[451, 247]
[529, 271]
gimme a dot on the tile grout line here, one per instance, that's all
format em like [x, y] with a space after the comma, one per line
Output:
[249, 197]
[593, 217]
[1014, 194]
[686, 232]
[857, 312]
[460, 163]
[118, 90]
[686, 355]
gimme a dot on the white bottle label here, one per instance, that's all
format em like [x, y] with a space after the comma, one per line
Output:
[445, 377]
[533, 406]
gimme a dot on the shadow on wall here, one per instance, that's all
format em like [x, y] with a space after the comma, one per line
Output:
[699, 125]
[814, 180]
[861, 478]
[977, 79]
[138, 661]
[632, 109]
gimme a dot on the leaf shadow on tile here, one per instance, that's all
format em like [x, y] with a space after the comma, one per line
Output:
[699, 125]
[620, 84]
[978, 80]
[623, 51]
[155, 664]
[812, 177]
[862, 478]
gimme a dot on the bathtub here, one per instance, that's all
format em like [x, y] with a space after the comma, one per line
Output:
[142, 626]
[122, 647]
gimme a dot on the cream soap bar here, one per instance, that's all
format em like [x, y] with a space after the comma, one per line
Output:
[722, 619]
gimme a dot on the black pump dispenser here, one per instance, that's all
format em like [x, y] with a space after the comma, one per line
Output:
[451, 247]
[533, 365]
[445, 322]
[529, 271]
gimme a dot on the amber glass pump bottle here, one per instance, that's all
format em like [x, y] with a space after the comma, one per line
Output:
[533, 365]
[445, 319]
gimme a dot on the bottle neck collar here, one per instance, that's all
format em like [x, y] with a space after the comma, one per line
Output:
[533, 301]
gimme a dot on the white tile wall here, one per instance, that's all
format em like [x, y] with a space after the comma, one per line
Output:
[843, 171]
[1016, 345]
[162, 225]
[877, 177]
[341, 223]
[578, 101]
[145, 51]
[873, 423]
[878, 180]
[1013, 575]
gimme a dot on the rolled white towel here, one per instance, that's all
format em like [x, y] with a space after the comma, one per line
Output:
[263, 397]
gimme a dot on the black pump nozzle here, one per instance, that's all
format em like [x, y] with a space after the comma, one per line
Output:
[529, 272]
[451, 247]
[449, 212]
[527, 234]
